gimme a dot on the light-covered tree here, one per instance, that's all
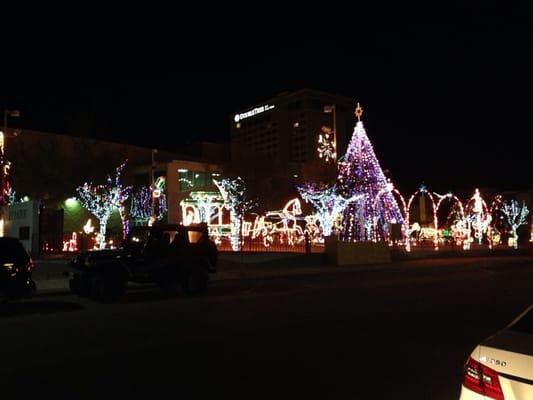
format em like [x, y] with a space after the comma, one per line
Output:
[100, 200]
[516, 216]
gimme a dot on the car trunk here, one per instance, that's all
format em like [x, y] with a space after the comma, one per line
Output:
[508, 354]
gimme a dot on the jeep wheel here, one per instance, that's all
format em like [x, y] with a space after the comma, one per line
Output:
[80, 286]
[108, 287]
[195, 280]
[167, 280]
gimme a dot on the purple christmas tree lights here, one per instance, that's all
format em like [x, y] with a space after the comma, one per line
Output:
[370, 216]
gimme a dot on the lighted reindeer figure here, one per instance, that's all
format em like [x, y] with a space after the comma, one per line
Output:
[287, 227]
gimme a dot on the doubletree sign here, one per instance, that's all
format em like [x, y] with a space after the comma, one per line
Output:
[251, 113]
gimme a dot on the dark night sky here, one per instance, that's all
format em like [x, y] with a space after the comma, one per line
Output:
[446, 93]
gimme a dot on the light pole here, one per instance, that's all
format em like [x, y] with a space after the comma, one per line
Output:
[152, 182]
[332, 109]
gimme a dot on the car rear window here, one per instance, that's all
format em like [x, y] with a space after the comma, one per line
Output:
[195, 236]
[524, 324]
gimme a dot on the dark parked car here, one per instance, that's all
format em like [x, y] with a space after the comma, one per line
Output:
[15, 272]
[168, 255]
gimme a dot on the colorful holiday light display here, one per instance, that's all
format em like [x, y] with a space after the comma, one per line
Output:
[233, 191]
[327, 203]
[287, 229]
[71, 245]
[5, 183]
[424, 192]
[516, 216]
[88, 228]
[141, 204]
[390, 189]
[326, 144]
[280, 226]
[208, 204]
[477, 218]
[100, 200]
[455, 218]
[205, 207]
[361, 174]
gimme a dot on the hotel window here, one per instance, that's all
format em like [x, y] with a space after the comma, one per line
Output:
[190, 180]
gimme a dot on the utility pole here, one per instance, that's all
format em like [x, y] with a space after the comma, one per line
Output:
[152, 188]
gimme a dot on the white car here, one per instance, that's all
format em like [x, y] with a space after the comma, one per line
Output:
[501, 367]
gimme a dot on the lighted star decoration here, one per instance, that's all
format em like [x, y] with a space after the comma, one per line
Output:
[358, 111]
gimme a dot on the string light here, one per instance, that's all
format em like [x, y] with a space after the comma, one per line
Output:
[360, 174]
[100, 200]
[516, 216]
[88, 228]
[6, 192]
[458, 227]
[328, 204]
[327, 148]
[477, 217]
[405, 226]
[423, 191]
[233, 191]
[141, 204]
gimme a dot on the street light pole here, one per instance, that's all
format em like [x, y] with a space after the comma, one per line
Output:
[335, 131]
[152, 182]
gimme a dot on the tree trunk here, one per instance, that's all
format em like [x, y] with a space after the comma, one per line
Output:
[125, 222]
[101, 241]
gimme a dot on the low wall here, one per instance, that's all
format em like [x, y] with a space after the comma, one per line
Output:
[342, 253]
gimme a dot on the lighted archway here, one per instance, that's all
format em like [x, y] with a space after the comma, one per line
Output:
[457, 237]
[423, 191]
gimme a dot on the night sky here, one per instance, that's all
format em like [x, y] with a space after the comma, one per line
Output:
[447, 93]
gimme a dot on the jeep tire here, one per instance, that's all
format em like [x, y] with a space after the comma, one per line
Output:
[167, 279]
[108, 286]
[195, 279]
[80, 285]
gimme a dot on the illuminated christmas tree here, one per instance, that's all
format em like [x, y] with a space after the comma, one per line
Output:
[368, 218]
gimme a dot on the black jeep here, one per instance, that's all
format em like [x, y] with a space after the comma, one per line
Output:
[168, 255]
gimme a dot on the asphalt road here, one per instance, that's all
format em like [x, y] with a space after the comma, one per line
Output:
[401, 332]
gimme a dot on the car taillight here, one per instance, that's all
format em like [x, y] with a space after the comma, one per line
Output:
[481, 379]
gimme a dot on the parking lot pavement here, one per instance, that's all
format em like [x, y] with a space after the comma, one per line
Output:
[49, 274]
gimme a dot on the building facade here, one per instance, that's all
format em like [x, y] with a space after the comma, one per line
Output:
[282, 132]
[47, 168]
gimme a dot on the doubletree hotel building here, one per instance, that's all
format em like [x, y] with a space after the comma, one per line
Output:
[282, 133]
